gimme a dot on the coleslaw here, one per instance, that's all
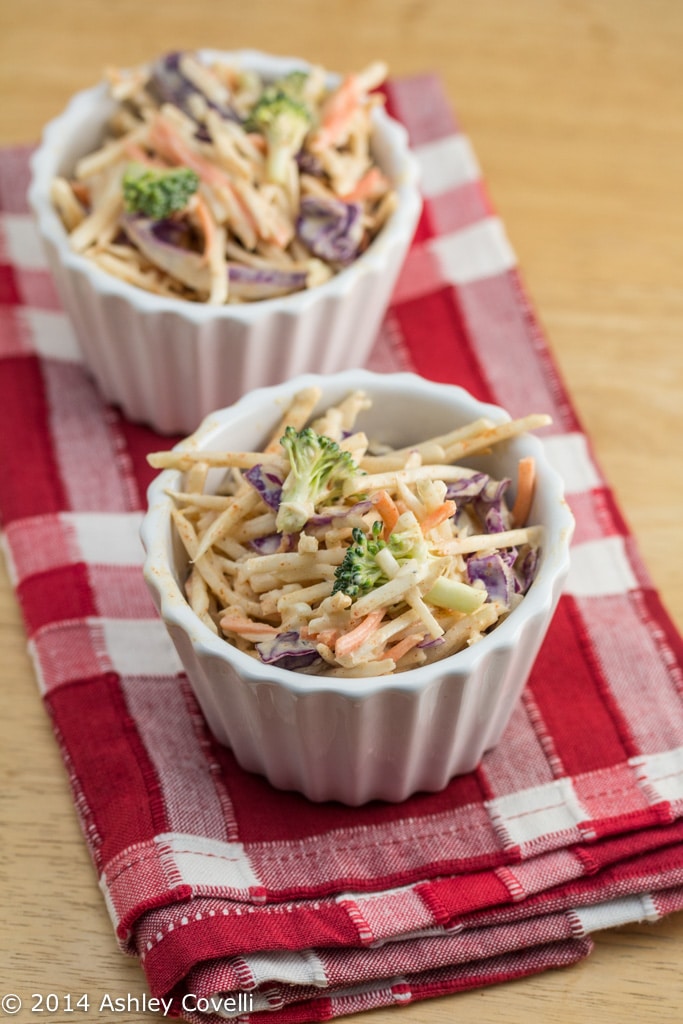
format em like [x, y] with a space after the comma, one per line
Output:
[214, 185]
[332, 554]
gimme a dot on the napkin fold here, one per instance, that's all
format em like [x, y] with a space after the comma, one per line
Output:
[242, 900]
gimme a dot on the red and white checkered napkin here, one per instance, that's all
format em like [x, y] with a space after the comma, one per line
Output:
[219, 883]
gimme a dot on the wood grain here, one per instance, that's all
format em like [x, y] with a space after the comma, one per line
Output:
[574, 109]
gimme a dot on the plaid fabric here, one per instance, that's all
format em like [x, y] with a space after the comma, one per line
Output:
[220, 884]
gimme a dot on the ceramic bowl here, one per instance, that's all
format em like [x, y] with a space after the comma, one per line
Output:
[168, 362]
[352, 739]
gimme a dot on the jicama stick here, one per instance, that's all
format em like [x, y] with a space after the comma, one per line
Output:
[501, 432]
[389, 481]
[184, 459]
[489, 541]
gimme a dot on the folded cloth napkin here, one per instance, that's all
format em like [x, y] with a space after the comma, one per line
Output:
[237, 898]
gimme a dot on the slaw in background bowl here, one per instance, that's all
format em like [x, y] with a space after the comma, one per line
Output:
[359, 739]
[168, 362]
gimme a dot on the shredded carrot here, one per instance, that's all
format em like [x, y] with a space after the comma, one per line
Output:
[206, 222]
[237, 624]
[258, 141]
[135, 152]
[526, 478]
[171, 144]
[348, 642]
[438, 516]
[402, 647]
[386, 507]
[338, 110]
[325, 636]
[81, 191]
[372, 183]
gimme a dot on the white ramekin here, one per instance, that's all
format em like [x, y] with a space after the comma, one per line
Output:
[168, 362]
[355, 740]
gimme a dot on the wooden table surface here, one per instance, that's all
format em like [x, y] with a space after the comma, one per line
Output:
[575, 109]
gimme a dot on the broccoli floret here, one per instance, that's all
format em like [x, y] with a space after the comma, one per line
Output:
[318, 470]
[294, 85]
[407, 540]
[360, 571]
[371, 561]
[158, 192]
[284, 121]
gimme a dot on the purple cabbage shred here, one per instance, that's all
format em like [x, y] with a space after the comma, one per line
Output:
[436, 641]
[496, 575]
[332, 229]
[309, 163]
[287, 650]
[267, 483]
[487, 498]
[332, 512]
[168, 84]
[167, 243]
[526, 569]
[269, 545]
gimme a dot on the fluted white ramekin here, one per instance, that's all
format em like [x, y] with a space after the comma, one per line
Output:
[384, 738]
[169, 362]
